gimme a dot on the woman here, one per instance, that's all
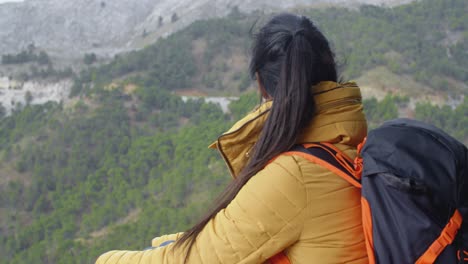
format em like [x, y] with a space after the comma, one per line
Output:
[278, 203]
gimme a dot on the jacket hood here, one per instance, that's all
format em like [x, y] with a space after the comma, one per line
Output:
[339, 119]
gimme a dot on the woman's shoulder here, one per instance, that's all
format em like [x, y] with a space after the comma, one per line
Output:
[285, 164]
[300, 162]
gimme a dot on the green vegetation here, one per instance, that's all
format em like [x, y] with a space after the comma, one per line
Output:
[89, 58]
[121, 169]
[196, 57]
[378, 112]
[129, 160]
[47, 72]
[452, 120]
[426, 40]
[40, 65]
[25, 56]
[168, 64]
[95, 166]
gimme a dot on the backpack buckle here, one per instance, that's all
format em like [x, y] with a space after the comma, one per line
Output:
[462, 254]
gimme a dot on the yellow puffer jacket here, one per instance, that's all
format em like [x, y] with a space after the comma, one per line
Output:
[292, 204]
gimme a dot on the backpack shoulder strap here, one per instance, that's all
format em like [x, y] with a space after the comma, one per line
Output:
[446, 238]
[329, 157]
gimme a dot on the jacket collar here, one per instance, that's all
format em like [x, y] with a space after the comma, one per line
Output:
[338, 119]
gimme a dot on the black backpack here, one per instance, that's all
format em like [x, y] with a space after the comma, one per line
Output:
[414, 180]
[415, 184]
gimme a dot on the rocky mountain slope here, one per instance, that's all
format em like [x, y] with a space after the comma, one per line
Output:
[72, 28]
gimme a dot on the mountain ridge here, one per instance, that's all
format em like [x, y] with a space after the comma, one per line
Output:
[107, 27]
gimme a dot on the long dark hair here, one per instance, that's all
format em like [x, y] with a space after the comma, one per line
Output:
[290, 55]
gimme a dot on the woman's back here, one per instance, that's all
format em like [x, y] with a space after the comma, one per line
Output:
[278, 203]
[332, 230]
[292, 201]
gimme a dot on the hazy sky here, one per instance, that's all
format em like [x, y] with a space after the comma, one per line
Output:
[5, 1]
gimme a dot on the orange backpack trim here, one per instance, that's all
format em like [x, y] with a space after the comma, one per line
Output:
[279, 258]
[446, 238]
[326, 165]
[339, 156]
[367, 227]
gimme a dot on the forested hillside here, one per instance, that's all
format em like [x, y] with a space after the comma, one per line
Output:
[127, 160]
[423, 43]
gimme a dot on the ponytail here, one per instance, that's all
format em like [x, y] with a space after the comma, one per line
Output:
[290, 56]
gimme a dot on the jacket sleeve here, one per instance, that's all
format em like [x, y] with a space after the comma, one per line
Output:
[266, 216]
[157, 241]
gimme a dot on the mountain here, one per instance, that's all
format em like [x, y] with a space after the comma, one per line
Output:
[70, 27]
[104, 27]
[125, 159]
[416, 49]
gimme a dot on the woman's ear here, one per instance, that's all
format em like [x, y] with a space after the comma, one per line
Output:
[263, 92]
